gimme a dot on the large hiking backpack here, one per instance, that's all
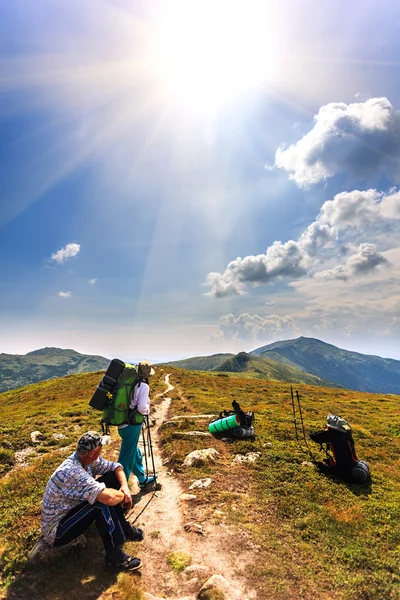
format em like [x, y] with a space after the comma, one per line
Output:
[337, 438]
[113, 394]
[233, 424]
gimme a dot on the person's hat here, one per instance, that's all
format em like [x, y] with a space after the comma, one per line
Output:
[90, 441]
[145, 368]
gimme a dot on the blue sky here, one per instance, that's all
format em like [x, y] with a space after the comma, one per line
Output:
[185, 178]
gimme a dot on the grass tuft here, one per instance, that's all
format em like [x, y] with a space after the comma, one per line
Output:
[179, 560]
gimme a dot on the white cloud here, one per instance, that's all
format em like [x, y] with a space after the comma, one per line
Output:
[363, 261]
[92, 281]
[280, 260]
[69, 251]
[65, 294]
[337, 245]
[359, 208]
[255, 327]
[361, 139]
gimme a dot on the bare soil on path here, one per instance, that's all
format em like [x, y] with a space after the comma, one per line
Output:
[219, 550]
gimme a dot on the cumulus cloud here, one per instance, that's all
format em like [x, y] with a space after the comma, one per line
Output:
[363, 261]
[255, 327]
[69, 251]
[92, 281]
[280, 260]
[360, 208]
[339, 233]
[362, 139]
[65, 294]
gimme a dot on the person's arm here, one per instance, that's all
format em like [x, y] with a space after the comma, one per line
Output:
[120, 475]
[320, 437]
[111, 497]
[143, 398]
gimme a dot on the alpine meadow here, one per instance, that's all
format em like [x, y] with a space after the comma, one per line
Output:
[297, 533]
[200, 300]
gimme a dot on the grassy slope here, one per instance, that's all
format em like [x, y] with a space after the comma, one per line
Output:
[201, 363]
[264, 368]
[56, 406]
[313, 537]
[19, 370]
[348, 369]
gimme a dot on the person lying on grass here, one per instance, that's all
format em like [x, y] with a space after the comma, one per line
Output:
[74, 499]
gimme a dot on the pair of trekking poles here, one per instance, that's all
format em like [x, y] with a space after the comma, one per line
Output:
[148, 452]
[148, 455]
[301, 421]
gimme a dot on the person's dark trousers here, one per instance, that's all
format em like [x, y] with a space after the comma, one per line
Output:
[110, 521]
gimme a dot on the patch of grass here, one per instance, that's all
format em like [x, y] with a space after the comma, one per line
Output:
[179, 560]
[155, 534]
[128, 589]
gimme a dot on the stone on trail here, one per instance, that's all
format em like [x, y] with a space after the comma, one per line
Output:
[201, 483]
[36, 436]
[195, 527]
[250, 457]
[200, 570]
[188, 497]
[217, 582]
[198, 457]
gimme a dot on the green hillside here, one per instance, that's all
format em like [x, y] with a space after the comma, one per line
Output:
[344, 368]
[303, 534]
[264, 368]
[249, 365]
[47, 363]
[201, 363]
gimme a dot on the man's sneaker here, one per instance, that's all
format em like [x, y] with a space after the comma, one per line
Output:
[129, 563]
[133, 534]
[146, 482]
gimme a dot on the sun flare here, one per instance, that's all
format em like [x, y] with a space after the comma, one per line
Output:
[210, 52]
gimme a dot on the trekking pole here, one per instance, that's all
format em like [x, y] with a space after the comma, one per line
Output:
[294, 414]
[150, 445]
[145, 452]
[302, 425]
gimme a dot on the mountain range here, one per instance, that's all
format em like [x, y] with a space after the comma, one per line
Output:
[47, 363]
[301, 360]
[307, 358]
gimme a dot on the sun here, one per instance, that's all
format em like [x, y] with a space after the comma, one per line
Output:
[212, 51]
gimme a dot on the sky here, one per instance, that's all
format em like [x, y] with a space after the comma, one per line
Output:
[181, 178]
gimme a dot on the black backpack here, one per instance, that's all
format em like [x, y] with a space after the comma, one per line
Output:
[337, 439]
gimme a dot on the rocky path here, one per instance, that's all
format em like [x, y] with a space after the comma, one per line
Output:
[217, 559]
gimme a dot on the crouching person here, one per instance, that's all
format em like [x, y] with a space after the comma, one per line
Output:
[87, 488]
[337, 438]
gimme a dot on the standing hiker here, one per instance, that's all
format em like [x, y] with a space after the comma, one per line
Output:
[74, 498]
[130, 456]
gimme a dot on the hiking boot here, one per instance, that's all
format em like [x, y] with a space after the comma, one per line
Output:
[146, 482]
[133, 534]
[128, 563]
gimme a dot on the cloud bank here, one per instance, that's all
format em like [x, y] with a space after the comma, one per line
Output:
[337, 245]
[361, 139]
[254, 327]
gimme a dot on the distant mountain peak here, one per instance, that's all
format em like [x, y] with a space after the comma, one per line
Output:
[48, 351]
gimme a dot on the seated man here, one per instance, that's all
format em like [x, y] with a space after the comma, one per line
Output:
[74, 499]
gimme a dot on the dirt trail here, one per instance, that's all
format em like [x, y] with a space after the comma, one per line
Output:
[216, 552]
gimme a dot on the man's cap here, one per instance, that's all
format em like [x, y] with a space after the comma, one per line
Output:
[145, 368]
[90, 441]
